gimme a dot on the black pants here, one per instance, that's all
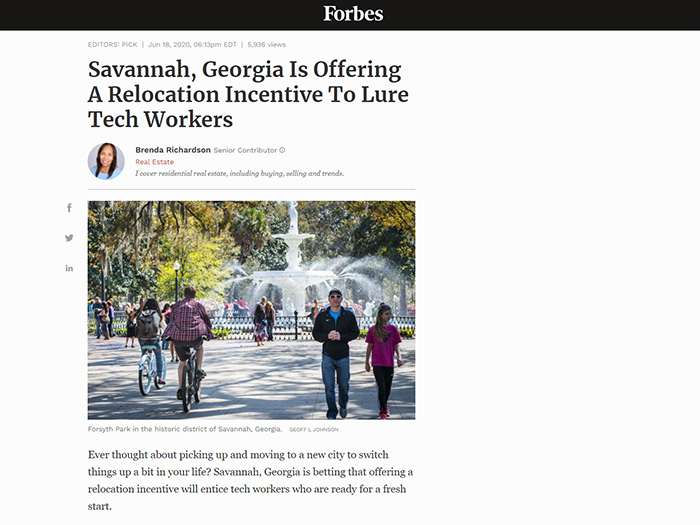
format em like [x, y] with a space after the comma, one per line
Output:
[384, 375]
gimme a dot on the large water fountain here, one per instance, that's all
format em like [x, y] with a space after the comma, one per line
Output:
[294, 280]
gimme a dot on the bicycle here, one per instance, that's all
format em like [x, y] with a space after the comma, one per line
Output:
[191, 381]
[148, 372]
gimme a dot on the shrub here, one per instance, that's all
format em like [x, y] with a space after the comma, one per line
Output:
[220, 333]
[405, 333]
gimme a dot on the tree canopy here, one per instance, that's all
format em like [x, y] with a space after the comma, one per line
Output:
[133, 245]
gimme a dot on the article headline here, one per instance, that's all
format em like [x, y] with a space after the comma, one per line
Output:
[138, 93]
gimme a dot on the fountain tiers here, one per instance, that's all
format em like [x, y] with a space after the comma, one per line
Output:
[294, 280]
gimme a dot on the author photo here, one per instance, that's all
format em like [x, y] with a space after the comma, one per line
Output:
[106, 161]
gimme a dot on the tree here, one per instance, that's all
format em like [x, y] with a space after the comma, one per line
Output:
[134, 234]
[250, 231]
[133, 244]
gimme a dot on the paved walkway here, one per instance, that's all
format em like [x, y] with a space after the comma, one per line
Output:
[278, 381]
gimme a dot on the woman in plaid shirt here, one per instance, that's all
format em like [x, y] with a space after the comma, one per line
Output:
[189, 326]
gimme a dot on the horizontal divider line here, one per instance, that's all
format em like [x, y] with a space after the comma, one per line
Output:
[251, 189]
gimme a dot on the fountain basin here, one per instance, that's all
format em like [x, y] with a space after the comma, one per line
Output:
[293, 284]
[284, 278]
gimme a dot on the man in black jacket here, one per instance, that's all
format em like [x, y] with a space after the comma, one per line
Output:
[335, 327]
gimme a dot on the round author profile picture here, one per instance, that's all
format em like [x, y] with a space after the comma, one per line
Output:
[106, 161]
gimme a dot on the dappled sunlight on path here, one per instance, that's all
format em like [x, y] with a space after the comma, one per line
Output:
[276, 381]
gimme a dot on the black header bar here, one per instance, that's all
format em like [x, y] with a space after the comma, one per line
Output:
[337, 16]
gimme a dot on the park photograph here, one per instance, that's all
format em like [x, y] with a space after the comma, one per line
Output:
[251, 310]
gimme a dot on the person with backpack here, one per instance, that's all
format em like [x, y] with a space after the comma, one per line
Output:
[150, 323]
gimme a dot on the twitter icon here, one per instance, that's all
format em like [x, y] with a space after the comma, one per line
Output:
[69, 238]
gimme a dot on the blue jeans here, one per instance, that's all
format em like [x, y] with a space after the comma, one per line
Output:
[157, 351]
[330, 369]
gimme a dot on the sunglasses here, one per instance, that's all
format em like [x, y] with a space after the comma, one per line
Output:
[335, 296]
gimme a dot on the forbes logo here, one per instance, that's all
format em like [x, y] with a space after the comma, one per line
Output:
[333, 14]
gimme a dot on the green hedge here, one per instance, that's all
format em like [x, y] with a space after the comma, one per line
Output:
[405, 333]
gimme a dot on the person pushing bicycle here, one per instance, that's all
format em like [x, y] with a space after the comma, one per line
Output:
[189, 326]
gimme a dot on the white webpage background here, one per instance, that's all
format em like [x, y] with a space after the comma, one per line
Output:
[556, 181]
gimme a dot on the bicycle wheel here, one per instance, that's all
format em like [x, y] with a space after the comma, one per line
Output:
[196, 387]
[159, 386]
[145, 379]
[186, 388]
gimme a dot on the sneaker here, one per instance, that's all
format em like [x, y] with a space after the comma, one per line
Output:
[343, 413]
[160, 381]
[201, 374]
[383, 415]
[386, 412]
[179, 393]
